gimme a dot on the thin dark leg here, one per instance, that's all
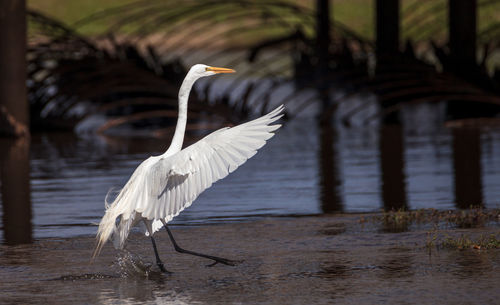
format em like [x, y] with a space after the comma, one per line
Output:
[158, 260]
[214, 258]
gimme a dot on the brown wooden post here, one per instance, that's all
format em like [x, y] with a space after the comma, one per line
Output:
[387, 44]
[462, 35]
[14, 121]
[322, 49]
[323, 30]
[467, 165]
[15, 189]
[387, 23]
[392, 167]
[330, 183]
[14, 118]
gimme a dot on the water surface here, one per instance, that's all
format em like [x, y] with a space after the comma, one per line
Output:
[305, 169]
[305, 260]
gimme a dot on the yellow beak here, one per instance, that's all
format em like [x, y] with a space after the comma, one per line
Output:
[220, 70]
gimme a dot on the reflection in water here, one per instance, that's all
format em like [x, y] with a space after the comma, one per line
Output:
[329, 180]
[336, 269]
[467, 164]
[286, 262]
[392, 166]
[398, 263]
[305, 169]
[141, 293]
[471, 264]
[15, 189]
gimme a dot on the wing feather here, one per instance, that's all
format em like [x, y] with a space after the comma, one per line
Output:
[179, 179]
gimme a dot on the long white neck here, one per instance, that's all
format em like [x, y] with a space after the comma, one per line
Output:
[180, 128]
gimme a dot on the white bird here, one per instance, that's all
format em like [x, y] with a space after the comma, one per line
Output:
[163, 186]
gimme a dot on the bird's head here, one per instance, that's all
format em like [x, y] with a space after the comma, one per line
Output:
[204, 70]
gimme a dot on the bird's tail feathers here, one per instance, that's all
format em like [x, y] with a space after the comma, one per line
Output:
[122, 230]
[107, 226]
[111, 196]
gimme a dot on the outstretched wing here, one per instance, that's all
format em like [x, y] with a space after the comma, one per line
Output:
[176, 181]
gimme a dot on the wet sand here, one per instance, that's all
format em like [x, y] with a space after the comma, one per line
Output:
[307, 260]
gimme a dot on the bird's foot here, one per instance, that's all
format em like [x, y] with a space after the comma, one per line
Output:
[162, 268]
[225, 261]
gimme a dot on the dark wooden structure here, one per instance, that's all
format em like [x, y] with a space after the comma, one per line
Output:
[462, 36]
[387, 28]
[392, 165]
[14, 122]
[15, 190]
[13, 99]
[467, 164]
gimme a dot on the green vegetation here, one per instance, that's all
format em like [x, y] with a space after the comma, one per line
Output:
[420, 20]
[432, 238]
[399, 221]
[464, 242]
[472, 218]
[356, 14]
[69, 12]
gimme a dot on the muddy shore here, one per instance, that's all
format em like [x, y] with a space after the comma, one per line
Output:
[317, 260]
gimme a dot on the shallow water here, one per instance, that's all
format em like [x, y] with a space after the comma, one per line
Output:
[305, 260]
[303, 170]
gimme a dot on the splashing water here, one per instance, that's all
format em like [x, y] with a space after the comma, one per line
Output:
[130, 265]
[86, 276]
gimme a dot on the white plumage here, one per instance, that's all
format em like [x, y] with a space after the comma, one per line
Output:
[163, 186]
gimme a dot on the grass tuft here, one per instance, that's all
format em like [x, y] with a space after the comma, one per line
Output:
[400, 220]
[464, 242]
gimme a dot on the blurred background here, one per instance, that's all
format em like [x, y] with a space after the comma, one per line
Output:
[390, 105]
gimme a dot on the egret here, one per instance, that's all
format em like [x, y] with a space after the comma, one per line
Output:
[163, 186]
